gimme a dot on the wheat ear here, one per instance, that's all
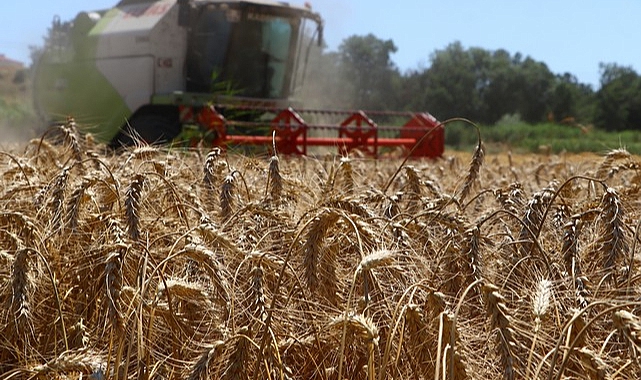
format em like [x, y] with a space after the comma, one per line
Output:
[21, 289]
[70, 134]
[313, 247]
[275, 180]
[227, 192]
[368, 263]
[75, 202]
[629, 326]
[593, 364]
[237, 367]
[58, 196]
[540, 306]
[82, 361]
[113, 287]
[501, 321]
[362, 327]
[413, 189]
[346, 174]
[533, 219]
[613, 155]
[456, 361]
[202, 255]
[475, 168]
[201, 368]
[132, 206]
[472, 246]
[213, 168]
[612, 244]
[417, 330]
[258, 292]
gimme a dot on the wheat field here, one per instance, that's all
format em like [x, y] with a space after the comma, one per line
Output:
[158, 263]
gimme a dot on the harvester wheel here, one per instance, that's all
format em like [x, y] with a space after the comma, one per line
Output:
[152, 125]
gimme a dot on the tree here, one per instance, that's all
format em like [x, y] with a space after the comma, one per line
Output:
[571, 99]
[499, 93]
[535, 84]
[484, 86]
[618, 101]
[450, 84]
[368, 72]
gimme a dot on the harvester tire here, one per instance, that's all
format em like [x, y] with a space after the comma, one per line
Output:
[150, 125]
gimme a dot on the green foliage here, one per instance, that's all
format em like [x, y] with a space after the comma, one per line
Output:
[15, 112]
[619, 99]
[520, 137]
[474, 83]
[484, 85]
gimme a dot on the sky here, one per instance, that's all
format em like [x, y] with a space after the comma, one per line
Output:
[571, 36]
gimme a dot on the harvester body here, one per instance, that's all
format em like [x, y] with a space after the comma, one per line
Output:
[137, 61]
[146, 70]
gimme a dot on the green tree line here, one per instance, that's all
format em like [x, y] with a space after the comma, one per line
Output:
[475, 83]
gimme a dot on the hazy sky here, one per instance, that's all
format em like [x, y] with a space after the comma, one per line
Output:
[568, 35]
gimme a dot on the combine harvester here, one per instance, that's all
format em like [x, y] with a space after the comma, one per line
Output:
[148, 69]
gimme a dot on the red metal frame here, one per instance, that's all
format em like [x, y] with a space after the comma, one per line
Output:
[291, 130]
[361, 132]
[428, 134]
[421, 136]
